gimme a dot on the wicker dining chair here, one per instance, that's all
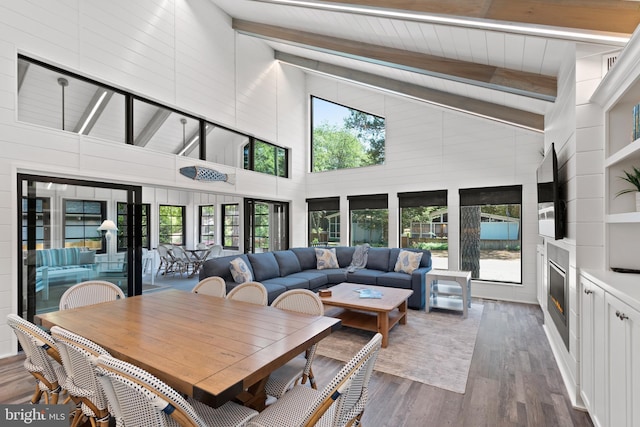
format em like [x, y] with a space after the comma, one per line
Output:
[252, 292]
[89, 293]
[299, 368]
[214, 286]
[141, 399]
[341, 403]
[42, 359]
[78, 356]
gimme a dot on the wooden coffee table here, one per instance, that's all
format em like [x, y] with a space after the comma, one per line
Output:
[370, 314]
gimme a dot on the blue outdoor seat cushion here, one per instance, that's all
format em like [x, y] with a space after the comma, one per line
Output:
[378, 259]
[264, 266]
[306, 257]
[315, 279]
[288, 282]
[287, 262]
[366, 276]
[344, 254]
[395, 280]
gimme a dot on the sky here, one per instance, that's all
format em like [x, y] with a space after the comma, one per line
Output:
[332, 113]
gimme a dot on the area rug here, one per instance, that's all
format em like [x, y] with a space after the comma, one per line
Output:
[432, 348]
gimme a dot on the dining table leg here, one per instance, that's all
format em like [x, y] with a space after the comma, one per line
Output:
[255, 396]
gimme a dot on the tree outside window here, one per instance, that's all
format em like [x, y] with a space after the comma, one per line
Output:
[324, 221]
[231, 226]
[344, 138]
[207, 224]
[171, 230]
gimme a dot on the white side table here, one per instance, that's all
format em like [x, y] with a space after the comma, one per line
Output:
[449, 289]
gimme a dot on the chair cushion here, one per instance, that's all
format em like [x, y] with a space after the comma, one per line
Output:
[407, 261]
[288, 262]
[315, 279]
[378, 259]
[264, 266]
[365, 276]
[289, 282]
[240, 270]
[326, 258]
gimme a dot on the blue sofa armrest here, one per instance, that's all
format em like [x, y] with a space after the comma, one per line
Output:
[418, 285]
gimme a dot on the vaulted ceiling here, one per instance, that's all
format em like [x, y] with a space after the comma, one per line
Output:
[494, 58]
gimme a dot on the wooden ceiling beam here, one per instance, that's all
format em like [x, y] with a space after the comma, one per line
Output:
[517, 82]
[612, 16]
[487, 110]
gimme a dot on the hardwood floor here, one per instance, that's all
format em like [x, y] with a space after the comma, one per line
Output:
[513, 381]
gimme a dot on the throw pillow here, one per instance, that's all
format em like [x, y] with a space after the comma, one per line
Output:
[87, 257]
[240, 271]
[408, 261]
[326, 258]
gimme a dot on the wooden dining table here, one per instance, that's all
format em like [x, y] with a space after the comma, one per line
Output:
[210, 348]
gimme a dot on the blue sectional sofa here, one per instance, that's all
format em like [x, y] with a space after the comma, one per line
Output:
[296, 268]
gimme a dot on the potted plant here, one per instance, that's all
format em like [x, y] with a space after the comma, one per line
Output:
[632, 178]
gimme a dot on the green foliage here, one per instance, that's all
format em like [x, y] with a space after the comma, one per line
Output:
[632, 178]
[432, 246]
[334, 148]
[371, 130]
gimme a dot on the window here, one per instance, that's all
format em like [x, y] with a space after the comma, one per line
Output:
[369, 219]
[81, 221]
[122, 226]
[267, 158]
[230, 226]
[42, 222]
[490, 240]
[207, 224]
[342, 137]
[423, 224]
[324, 221]
[172, 221]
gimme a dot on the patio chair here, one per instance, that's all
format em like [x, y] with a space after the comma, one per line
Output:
[42, 359]
[299, 368]
[216, 251]
[214, 286]
[166, 260]
[182, 260]
[78, 356]
[141, 399]
[252, 292]
[340, 403]
[89, 293]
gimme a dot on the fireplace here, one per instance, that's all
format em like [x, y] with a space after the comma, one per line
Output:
[558, 299]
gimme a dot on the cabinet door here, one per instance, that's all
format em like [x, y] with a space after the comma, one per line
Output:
[592, 351]
[623, 330]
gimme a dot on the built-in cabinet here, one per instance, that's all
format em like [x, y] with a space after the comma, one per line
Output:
[610, 347]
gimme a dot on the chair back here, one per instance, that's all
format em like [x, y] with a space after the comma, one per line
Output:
[89, 293]
[78, 356]
[300, 301]
[141, 399]
[201, 245]
[252, 292]
[349, 388]
[214, 286]
[42, 356]
[216, 251]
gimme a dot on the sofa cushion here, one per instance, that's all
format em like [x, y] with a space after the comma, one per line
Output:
[407, 261]
[287, 262]
[289, 282]
[333, 275]
[365, 276]
[344, 255]
[87, 257]
[306, 257]
[264, 266]
[240, 270]
[315, 279]
[425, 261]
[220, 267]
[395, 280]
[326, 258]
[378, 259]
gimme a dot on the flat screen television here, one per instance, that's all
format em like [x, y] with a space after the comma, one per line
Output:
[550, 202]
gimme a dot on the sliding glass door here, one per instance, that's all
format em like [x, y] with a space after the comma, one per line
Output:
[266, 225]
[68, 234]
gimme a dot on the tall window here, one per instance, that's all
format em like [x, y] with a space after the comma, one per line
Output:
[81, 221]
[207, 224]
[369, 219]
[267, 158]
[324, 221]
[423, 224]
[171, 224]
[123, 233]
[342, 137]
[231, 226]
[490, 238]
[43, 222]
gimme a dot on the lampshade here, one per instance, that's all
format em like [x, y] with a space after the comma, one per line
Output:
[108, 225]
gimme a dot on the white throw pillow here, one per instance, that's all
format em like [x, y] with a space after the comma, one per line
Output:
[240, 271]
[326, 258]
[408, 261]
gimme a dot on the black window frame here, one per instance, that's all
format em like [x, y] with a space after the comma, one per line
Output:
[368, 202]
[321, 204]
[201, 225]
[249, 158]
[182, 227]
[103, 216]
[223, 225]
[121, 223]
